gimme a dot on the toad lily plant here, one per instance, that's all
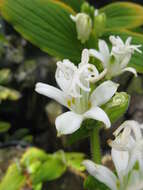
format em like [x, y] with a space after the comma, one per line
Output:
[76, 95]
[117, 60]
[127, 151]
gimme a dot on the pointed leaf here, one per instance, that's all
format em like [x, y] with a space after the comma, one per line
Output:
[123, 15]
[13, 180]
[45, 23]
[4, 126]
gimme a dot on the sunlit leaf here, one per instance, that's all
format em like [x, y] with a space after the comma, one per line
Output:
[13, 180]
[33, 154]
[123, 15]
[5, 75]
[4, 126]
[74, 160]
[45, 23]
[51, 169]
[10, 94]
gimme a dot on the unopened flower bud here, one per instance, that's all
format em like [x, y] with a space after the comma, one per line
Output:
[99, 22]
[83, 26]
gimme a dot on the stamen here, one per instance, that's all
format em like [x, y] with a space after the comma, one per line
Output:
[69, 103]
[73, 100]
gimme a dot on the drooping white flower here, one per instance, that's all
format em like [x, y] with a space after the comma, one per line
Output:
[83, 26]
[117, 60]
[131, 181]
[130, 143]
[127, 149]
[75, 94]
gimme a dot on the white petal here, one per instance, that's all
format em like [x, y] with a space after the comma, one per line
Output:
[85, 56]
[128, 41]
[125, 61]
[51, 92]
[68, 123]
[101, 173]
[130, 69]
[103, 48]
[103, 93]
[133, 125]
[98, 114]
[96, 54]
[120, 159]
[132, 161]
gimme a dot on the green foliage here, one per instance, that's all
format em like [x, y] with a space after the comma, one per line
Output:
[13, 179]
[93, 184]
[74, 161]
[7, 93]
[74, 4]
[51, 169]
[123, 15]
[4, 126]
[54, 32]
[33, 154]
[40, 167]
[5, 75]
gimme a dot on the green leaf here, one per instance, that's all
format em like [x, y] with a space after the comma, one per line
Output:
[8, 94]
[13, 180]
[4, 126]
[123, 15]
[137, 58]
[51, 169]
[75, 4]
[74, 161]
[33, 154]
[93, 184]
[45, 23]
[38, 187]
[117, 106]
[5, 75]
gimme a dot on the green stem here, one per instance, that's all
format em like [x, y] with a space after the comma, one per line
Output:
[95, 145]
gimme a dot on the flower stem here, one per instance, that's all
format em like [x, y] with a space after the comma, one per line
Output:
[95, 145]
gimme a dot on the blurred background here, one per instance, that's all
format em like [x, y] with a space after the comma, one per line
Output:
[27, 118]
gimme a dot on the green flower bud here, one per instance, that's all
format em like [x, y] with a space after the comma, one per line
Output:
[99, 23]
[117, 106]
[83, 26]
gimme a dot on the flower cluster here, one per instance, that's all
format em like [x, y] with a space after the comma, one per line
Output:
[127, 154]
[76, 94]
[117, 60]
[75, 91]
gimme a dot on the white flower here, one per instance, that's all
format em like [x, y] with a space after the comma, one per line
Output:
[117, 60]
[127, 149]
[132, 181]
[75, 94]
[83, 26]
[130, 143]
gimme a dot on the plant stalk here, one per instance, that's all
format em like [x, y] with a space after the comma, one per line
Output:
[95, 145]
